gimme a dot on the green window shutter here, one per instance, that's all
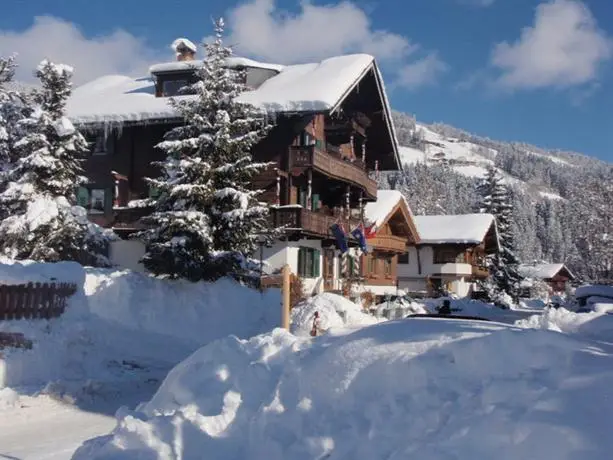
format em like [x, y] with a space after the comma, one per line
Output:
[154, 192]
[350, 265]
[319, 144]
[315, 202]
[316, 263]
[83, 197]
[301, 262]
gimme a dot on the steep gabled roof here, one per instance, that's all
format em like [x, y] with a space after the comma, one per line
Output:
[543, 271]
[454, 229]
[304, 88]
[388, 204]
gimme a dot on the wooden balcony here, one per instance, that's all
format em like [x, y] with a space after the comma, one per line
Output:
[333, 166]
[480, 272]
[128, 219]
[388, 243]
[298, 218]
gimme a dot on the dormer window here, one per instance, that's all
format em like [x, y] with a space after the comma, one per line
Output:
[172, 87]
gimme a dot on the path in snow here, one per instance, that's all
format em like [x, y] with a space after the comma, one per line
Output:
[47, 428]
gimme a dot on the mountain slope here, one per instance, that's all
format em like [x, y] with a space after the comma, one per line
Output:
[563, 200]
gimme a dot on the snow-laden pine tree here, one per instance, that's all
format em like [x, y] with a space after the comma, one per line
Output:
[44, 223]
[207, 219]
[505, 283]
[13, 108]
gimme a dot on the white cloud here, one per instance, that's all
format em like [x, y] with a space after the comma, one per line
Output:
[563, 48]
[423, 72]
[261, 30]
[62, 41]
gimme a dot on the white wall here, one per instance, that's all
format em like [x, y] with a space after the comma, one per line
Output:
[126, 254]
[286, 252]
[411, 279]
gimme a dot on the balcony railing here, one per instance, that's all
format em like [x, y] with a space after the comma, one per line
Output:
[389, 243]
[480, 272]
[130, 218]
[333, 166]
[298, 218]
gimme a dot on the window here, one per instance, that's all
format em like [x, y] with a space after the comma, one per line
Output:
[154, 192]
[308, 262]
[99, 144]
[94, 200]
[305, 139]
[372, 265]
[387, 264]
[97, 200]
[447, 255]
[172, 87]
[403, 258]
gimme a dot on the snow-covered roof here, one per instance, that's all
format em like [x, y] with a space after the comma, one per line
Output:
[542, 271]
[175, 66]
[237, 61]
[458, 229]
[317, 87]
[377, 212]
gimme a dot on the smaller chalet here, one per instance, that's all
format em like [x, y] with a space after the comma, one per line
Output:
[390, 230]
[557, 276]
[449, 255]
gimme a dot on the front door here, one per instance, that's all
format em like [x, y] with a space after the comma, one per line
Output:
[328, 272]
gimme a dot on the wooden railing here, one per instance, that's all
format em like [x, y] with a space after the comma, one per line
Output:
[129, 218]
[333, 166]
[298, 218]
[34, 300]
[480, 272]
[389, 243]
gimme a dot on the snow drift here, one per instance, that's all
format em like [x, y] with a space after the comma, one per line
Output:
[119, 321]
[335, 312]
[420, 388]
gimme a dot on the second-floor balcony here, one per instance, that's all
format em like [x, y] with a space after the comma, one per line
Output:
[297, 218]
[334, 166]
[388, 243]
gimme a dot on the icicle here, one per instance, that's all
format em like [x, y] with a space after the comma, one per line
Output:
[310, 190]
[278, 189]
[364, 152]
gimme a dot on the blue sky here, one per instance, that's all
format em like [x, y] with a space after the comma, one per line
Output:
[538, 71]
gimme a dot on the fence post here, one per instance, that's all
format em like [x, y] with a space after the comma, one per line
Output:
[285, 293]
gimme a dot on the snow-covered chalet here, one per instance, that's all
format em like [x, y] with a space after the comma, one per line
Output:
[333, 132]
[450, 254]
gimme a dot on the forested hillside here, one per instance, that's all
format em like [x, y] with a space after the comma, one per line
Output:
[563, 201]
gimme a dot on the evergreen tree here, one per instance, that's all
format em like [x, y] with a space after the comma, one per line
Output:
[207, 220]
[503, 265]
[13, 109]
[44, 223]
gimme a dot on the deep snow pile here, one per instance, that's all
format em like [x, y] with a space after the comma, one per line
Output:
[124, 325]
[335, 312]
[597, 324]
[420, 388]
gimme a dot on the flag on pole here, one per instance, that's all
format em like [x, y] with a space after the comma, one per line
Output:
[358, 234]
[340, 236]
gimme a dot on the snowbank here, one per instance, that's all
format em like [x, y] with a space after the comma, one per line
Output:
[335, 311]
[428, 389]
[597, 324]
[121, 324]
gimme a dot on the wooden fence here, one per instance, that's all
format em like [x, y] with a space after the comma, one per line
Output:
[34, 300]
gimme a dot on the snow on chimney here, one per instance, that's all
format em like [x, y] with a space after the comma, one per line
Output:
[184, 49]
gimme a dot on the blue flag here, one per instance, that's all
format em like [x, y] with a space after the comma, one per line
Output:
[358, 234]
[340, 236]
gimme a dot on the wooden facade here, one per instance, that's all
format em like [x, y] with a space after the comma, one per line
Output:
[322, 167]
[396, 232]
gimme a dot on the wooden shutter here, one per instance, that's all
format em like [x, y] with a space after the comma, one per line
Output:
[315, 201]
[316, 263]
[301, 262]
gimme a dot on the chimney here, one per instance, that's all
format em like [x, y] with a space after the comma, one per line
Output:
[184, 49]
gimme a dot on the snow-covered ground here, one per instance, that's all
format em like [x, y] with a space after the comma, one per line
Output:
[416, 388]
[121, 334]
[531, 383]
